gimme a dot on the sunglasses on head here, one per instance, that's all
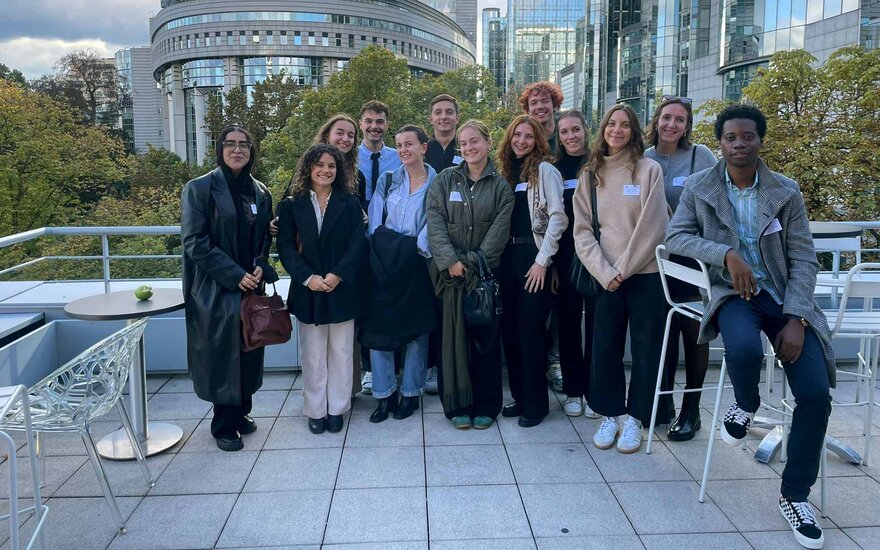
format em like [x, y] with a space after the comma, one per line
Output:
[681, 99]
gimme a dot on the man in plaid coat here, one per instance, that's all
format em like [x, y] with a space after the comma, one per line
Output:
[750, 226]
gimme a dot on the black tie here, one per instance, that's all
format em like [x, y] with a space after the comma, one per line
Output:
[375, 175]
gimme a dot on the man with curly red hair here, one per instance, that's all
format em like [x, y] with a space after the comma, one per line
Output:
[542, 100]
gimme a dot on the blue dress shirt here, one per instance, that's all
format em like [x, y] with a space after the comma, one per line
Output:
[388, 161]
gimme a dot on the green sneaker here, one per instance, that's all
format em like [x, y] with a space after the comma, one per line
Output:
[482, 422]
[461, 422]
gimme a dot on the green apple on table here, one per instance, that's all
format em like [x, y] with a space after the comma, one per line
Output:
[143, 292]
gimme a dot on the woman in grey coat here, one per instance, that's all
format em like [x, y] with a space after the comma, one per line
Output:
[224, 221]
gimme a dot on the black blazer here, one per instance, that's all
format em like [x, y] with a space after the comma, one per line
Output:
[340, 249]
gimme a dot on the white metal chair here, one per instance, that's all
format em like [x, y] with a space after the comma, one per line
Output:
[83, 389]
[691, 310]
[17, 396]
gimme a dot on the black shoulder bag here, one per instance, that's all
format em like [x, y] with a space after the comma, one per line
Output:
[580, 276]
[482, 305]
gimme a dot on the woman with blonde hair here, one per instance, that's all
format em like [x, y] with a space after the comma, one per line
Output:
[468, 212]
[632, 217]
[536, 225]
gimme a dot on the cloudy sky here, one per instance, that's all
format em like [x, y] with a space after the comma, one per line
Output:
[34, 34]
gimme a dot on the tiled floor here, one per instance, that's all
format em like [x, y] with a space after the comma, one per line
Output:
[418, 484]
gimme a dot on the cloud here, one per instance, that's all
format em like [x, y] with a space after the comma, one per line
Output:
[114, 21]
[35, 57]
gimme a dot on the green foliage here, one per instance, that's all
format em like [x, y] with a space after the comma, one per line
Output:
[12, 75]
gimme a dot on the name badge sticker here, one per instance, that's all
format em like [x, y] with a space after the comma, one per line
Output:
[774, 227]
[457, 160]
[455, 196]
[570, 184]
[253, 209]
[632, 190]
[679, 181]
[521, 187]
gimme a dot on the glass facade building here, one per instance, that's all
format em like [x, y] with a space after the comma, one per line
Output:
[495, 46]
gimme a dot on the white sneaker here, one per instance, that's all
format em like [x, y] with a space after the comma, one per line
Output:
[607, 433]
[554, 376]
[590, 413]
[431, 381]
[367, 383]
[573, 406]
[631, 439]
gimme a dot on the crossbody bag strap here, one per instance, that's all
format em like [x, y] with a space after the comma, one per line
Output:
[385, 200]
[593, 204]
[693, 158]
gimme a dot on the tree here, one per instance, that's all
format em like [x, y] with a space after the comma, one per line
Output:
[12, 75]
[98, 82]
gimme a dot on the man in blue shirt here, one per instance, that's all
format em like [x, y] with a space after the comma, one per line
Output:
[374, 157]
[750, 226]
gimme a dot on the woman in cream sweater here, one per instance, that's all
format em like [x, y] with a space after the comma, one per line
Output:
[536, 225]
[632, 214]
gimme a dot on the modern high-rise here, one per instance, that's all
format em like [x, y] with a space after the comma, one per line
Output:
[141, 113]
[540, 39]
[463, 12]
[495, 46]
[204, 47]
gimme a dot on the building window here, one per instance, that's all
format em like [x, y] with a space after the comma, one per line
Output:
[208, 40]
[311, 39]
[256, 37]
[242, 39]
[270, 40]
[283, 38]
[325, 40]
[297, 39]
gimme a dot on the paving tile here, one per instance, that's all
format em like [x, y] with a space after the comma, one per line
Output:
[866, 537]
[156, 381]
[556, 428]
[125, 477]
[171, 406]
[292, 432]
[484, 544]
[268, 402]
[179, 383]
[432, 404]
[669, 507]
[396, 514]
[188, 426]
[750, 504]
[298, 382]
[294, 470]
[176, 522]
[364, 404]
[76, 523]
[205, 473]
[552, 463]
[590, 509]
[58, 470]
[606, 542]
[488, 511]
[293, 405]
[391, 433]
[278, 380]
[261, 519]
[660, 465]
[201, 440]
[727, 462]
[468, 465]
[439, 431]
[408, 545]
[23, 518]
[858, 443]
[852, 501]
[703, 541]
[784, 540]
[70, 443]
[363, 468]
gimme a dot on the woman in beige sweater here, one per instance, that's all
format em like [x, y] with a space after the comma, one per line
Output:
[632, 214]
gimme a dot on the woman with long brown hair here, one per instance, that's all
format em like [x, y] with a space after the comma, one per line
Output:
[536, 226]
[632, 217]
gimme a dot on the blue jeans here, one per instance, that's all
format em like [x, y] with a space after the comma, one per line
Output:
[741, 323]
[415, 365]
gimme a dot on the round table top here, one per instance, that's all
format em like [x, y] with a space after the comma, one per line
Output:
[834, 230]
[122, 304]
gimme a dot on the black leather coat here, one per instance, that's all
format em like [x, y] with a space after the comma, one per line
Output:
[210, 286]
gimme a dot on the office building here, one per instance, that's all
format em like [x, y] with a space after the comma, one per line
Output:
[463, 12]
[495, 46]
[202, 47]
[141, 113]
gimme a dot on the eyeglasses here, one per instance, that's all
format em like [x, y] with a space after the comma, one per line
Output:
[243, 146]
[681, 99]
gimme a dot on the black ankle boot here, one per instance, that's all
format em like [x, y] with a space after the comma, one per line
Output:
[688, 422]
[386, 405]
[408, 405]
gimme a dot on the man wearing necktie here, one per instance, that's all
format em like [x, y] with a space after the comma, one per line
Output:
[374, 157]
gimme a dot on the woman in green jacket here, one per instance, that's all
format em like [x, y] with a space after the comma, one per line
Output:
[468, 209]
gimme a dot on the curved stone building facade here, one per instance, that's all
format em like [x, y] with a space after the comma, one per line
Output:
[200, 47]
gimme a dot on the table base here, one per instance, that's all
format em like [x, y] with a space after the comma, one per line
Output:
[162, 436]
[771, 444]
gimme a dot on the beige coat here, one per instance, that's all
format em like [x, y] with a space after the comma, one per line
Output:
[549, 193]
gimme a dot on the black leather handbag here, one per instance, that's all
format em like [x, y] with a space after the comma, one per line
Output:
[580, 276]
[482, 305]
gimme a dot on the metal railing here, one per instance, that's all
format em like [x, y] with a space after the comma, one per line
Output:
[872, 227]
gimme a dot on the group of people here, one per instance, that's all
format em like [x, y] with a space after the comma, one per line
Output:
[383, 245]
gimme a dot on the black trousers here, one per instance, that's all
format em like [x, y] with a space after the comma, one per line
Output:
[523, 327]
[639, 304]
[576, 312]
[484, 368]
[227, 418]
[741, 323]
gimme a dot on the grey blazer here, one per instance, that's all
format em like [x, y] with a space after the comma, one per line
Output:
[703, 227]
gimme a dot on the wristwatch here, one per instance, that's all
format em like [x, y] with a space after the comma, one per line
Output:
[804, 322]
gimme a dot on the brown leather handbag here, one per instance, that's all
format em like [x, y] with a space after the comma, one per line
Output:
[264, 320]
